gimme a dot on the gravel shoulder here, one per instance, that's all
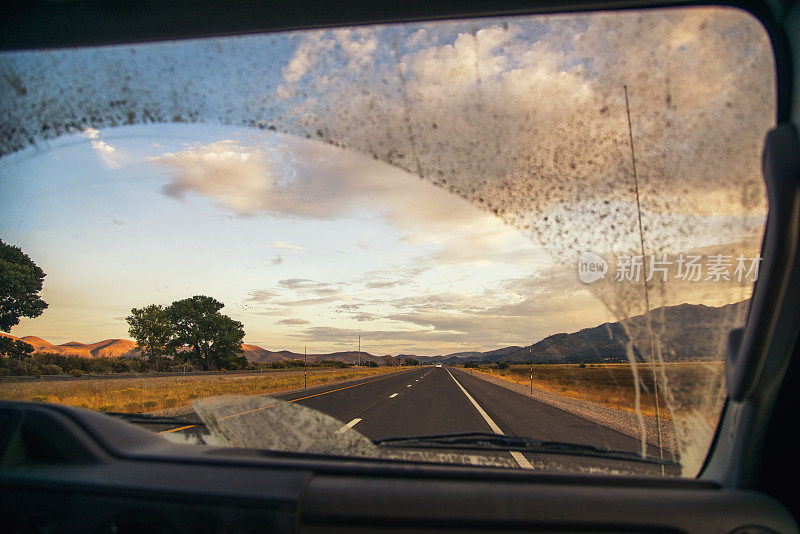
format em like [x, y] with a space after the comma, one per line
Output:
[624, 422]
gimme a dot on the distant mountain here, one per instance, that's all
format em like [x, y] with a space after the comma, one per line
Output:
[690, 332]
[458, 355]
[109, 348]
[254, 353]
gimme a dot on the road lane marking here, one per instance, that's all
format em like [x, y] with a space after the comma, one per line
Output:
[351, 424]
[285, 402]
[393, 395]
[518, 456]
[408, 386]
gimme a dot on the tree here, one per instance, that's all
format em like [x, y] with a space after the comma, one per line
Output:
[14, 348]
[151, 329]
[20, 283]
[214, 339]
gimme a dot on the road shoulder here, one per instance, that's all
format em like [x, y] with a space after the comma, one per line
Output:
[623, 422]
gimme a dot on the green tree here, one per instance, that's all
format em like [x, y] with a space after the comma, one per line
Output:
[151, 328]
[214, 340]
[20, 283]
[14, 348]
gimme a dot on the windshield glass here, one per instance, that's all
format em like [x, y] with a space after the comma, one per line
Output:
[517, 242]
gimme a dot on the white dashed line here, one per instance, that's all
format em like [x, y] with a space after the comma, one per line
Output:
[518, 456]
[351, 424]
[393, 395]
[408, 386]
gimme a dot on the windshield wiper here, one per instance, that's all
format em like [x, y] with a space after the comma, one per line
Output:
[495, 442]
[143, 418]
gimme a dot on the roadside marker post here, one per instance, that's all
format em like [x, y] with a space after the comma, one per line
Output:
[530, 358]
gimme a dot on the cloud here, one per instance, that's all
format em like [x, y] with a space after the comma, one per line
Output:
[306, 285]
[306, 302]
[364, 317]
[283, 245]
[530, 117]
[292, 321]
[108, 153]
[277, 260]
[286, 176]
[306, 56]
[234, 175]
[262, 295]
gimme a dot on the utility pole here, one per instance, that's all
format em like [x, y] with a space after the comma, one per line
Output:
[359, 350]
[305, 364]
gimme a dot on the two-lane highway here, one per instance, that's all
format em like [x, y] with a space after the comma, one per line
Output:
[443, 400]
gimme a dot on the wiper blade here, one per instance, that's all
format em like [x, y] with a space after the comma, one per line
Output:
[493, 442]
[143, 418]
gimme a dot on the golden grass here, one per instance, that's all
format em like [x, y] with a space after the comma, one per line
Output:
[612, 384]
[146, 394]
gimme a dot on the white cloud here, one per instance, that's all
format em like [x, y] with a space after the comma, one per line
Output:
[286, 176]
[109, 154]
[283, 245]
[306, 56]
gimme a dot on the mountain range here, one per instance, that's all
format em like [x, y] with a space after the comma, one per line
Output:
[688, 332]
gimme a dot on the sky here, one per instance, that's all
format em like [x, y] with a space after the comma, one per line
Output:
[481, 159]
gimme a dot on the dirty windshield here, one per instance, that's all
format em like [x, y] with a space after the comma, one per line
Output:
[517, 242]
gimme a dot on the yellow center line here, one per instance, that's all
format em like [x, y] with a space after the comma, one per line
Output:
[286, 402]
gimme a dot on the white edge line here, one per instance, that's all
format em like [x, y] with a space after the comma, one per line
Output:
[518, 456]
[351, 424]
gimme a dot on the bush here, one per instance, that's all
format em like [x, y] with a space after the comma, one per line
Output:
[76, 372]
[501, 365]
[582, 366]
[51, 369]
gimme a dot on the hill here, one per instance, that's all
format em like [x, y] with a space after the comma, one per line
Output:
[349, 357]
[690, 332]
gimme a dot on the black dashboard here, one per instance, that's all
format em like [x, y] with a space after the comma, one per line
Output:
[72, 470]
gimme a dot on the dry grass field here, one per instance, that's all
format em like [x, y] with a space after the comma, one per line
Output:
[691, 385]
[146, 394]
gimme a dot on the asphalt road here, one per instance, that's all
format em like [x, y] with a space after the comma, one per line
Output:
[430, 400]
